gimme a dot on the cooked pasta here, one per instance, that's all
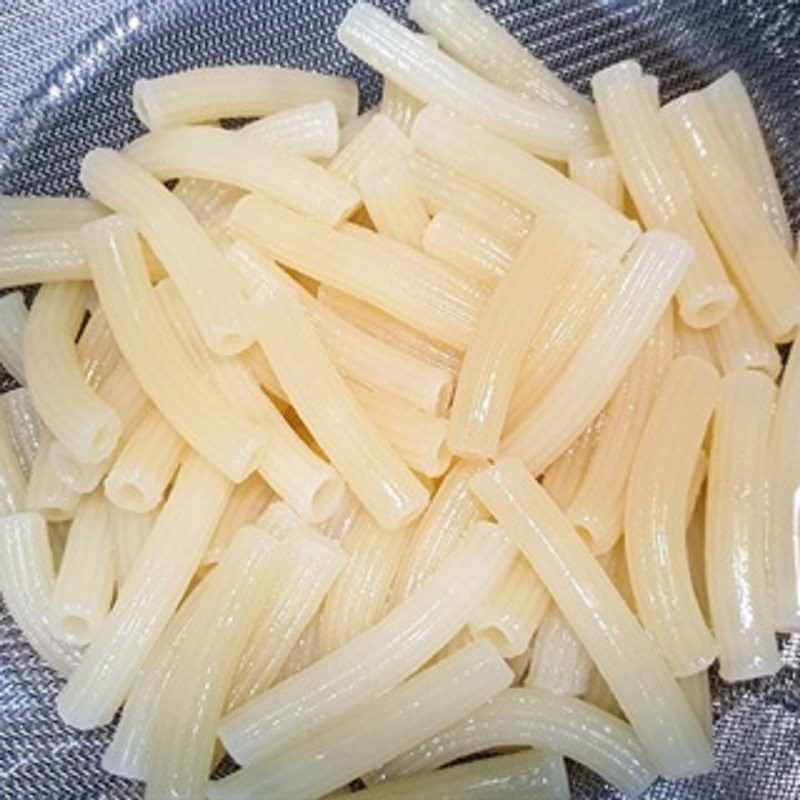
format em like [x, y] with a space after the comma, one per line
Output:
[378, 659]
[434, 77]
[657, 513]
[392, 331]
[391, 199]
[477, 40]
[732, 211]
[740, 602]
[13, 320]
[20, 419]
[362, 358]
[740, 342]
[400, 280]
[185, 718]
[178, 241]
[653, 176]
[467, 246]
[391, 723]
[248, 500]
[445, 189]
[598, 172]
[154, 355]
[25, 214]
[47, 493]
[784, 534]
[129, 532]
[360, 596]
[232, 158]
[210, 93]
[13, 484]
[366, 461]
[399, 106]
[736, 118]
[146, 464]
[446, 520]
[42, 257]
[522, 178]
[26, 579]
[502, 333]
[310, 130]
[149, 596]
[313, 566]
[83, 589]
[648, 694]
[75, 414]
[655, 266]
[531, 717]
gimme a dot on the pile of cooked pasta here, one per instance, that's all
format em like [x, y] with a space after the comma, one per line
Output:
[352, 445]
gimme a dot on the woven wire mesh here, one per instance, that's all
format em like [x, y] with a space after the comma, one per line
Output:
[66, 73]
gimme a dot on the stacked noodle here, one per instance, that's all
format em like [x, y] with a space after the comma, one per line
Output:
[384, 440]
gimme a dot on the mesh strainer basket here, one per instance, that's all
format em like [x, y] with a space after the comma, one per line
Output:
[66, 73]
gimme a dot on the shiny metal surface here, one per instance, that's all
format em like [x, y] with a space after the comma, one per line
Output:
[66, 73]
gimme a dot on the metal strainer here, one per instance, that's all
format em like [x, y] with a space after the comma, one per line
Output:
[66, 73]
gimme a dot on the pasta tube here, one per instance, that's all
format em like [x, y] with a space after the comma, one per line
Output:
[27, 214]
[146, 464]
[434, 77]
[737, 120]
[698, 693]
[654, 178]
[13, 487]
[391, 331]
[400, 280]
[657, 515]
[502, 334]
[742, 612]
[205, 281]
[445, 189]
[580, 301]
[314, 564]
[377, 660]
[654, 268]
[690, 341]
[85, 583]
[252, 90]
[47, 493]
[528, 775]
[446, 520]
[42, 257]
[732, 211]
[784, 531]
[26, 581]
[465, 245]
[522, 178]
[531, 717]
[77, 417]
[512, 612]
[371, 468]
[248, 500]
[13, 320]
[186, 716]
[235, 444]
[740, 343]
[23, 424]
[420, 439]
[559, 662]
[598, 172]
[360, 596]
[399, 106]
[392, 200]
[390, 723]
[291, 468]
[364, 359]
[649, 695]
[232, 158]
[310, 130]
[597, 510]
[129, 532]
[477, 40]
[148, 597]
[378, 135]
